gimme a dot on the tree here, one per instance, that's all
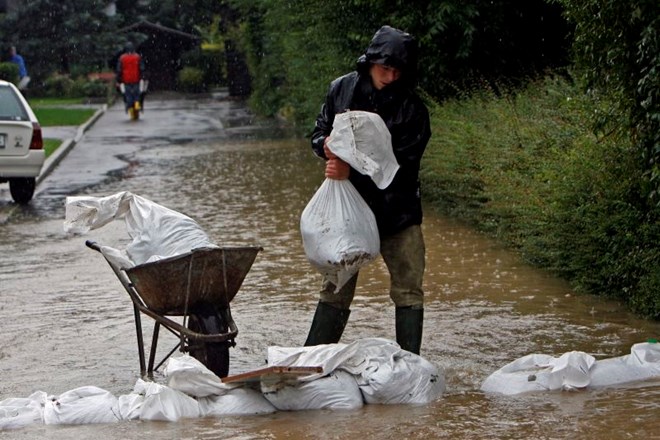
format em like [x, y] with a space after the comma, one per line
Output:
[617, 47]
[56, 35]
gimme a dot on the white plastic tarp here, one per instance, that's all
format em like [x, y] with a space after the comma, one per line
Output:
[156, 231]
[574, 370]
[339, 230]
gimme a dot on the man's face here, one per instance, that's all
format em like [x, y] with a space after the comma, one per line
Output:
[382, 75]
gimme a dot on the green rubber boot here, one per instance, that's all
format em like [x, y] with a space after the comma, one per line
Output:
[409, 323]
[328, 325]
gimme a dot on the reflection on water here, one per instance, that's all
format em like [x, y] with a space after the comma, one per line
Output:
[66, 315]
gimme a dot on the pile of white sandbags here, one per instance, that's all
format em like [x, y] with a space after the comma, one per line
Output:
[366, 371]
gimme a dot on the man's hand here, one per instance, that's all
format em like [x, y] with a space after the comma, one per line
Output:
[329, 154]
[335, 168]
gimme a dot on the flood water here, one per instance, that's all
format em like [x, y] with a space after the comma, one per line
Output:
[67, 322]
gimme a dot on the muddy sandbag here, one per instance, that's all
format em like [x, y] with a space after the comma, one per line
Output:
[19, 412]
[337, 391]
[236, 402]
[362, 140]
[81, 406]
[188, 375]
[164, 403]
[157, 232]
[339, 231]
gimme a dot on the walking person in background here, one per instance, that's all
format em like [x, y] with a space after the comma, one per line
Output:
[23, 77]
[383, 83]
[130, 75]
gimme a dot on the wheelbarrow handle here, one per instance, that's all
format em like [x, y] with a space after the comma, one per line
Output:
[93, 245]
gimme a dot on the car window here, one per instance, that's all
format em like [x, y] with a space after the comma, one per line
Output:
[11, 108]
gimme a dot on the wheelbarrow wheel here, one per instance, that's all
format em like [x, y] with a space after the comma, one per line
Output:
[214, 355]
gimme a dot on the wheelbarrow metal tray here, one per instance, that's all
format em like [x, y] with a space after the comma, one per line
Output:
[205, 275]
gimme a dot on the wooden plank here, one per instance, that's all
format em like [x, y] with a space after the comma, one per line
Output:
[274, 373]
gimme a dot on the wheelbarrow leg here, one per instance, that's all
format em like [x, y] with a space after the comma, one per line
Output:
[154, 346]
[140, 339]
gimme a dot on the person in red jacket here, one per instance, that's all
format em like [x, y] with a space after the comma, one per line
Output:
[130, 76]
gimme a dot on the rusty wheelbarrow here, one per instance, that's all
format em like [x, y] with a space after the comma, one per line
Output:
[196, 286]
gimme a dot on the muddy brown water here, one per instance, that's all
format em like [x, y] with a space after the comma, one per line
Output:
[67, 321]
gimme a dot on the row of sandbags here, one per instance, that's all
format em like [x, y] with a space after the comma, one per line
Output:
[364, 372]
[575, 370]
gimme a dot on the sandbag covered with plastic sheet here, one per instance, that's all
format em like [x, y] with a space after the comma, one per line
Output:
[236, 401]
[337, 391]
[157, 232]
[81, 406]
[384, 372]
[362, 140]
[339, 231]
[164, 403]
[19, 412]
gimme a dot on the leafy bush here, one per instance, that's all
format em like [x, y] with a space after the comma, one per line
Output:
[211, 62]
[58, 85]
[9, 72]
[191, 80]
[83, 87]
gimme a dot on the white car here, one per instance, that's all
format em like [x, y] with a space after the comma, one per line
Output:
[21, 144]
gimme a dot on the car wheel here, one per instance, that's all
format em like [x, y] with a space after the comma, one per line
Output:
[22, 189]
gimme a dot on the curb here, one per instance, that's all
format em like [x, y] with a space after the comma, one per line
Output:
[67, 145]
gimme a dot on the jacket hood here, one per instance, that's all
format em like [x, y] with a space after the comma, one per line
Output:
[392, 47]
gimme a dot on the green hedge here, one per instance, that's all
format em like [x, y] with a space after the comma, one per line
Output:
[527, 169]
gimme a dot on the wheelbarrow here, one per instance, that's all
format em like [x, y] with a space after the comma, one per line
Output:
[197, 287]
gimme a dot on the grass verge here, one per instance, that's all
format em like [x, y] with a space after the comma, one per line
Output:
[51, 145]
[52, 117]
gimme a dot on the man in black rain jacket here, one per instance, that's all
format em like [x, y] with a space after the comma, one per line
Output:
[383, 83]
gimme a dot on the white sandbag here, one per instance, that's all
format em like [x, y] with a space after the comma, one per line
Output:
[401, 377]
[384, 372]
[235, 402]
[156, 232]
[164, 403]
[339, 231]
[81, 406]
[190, 376]
[362, 140]
[642, 364]
[337, 391]
[130, 406]
[538, 372]
[574, 370]
[19, 412]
